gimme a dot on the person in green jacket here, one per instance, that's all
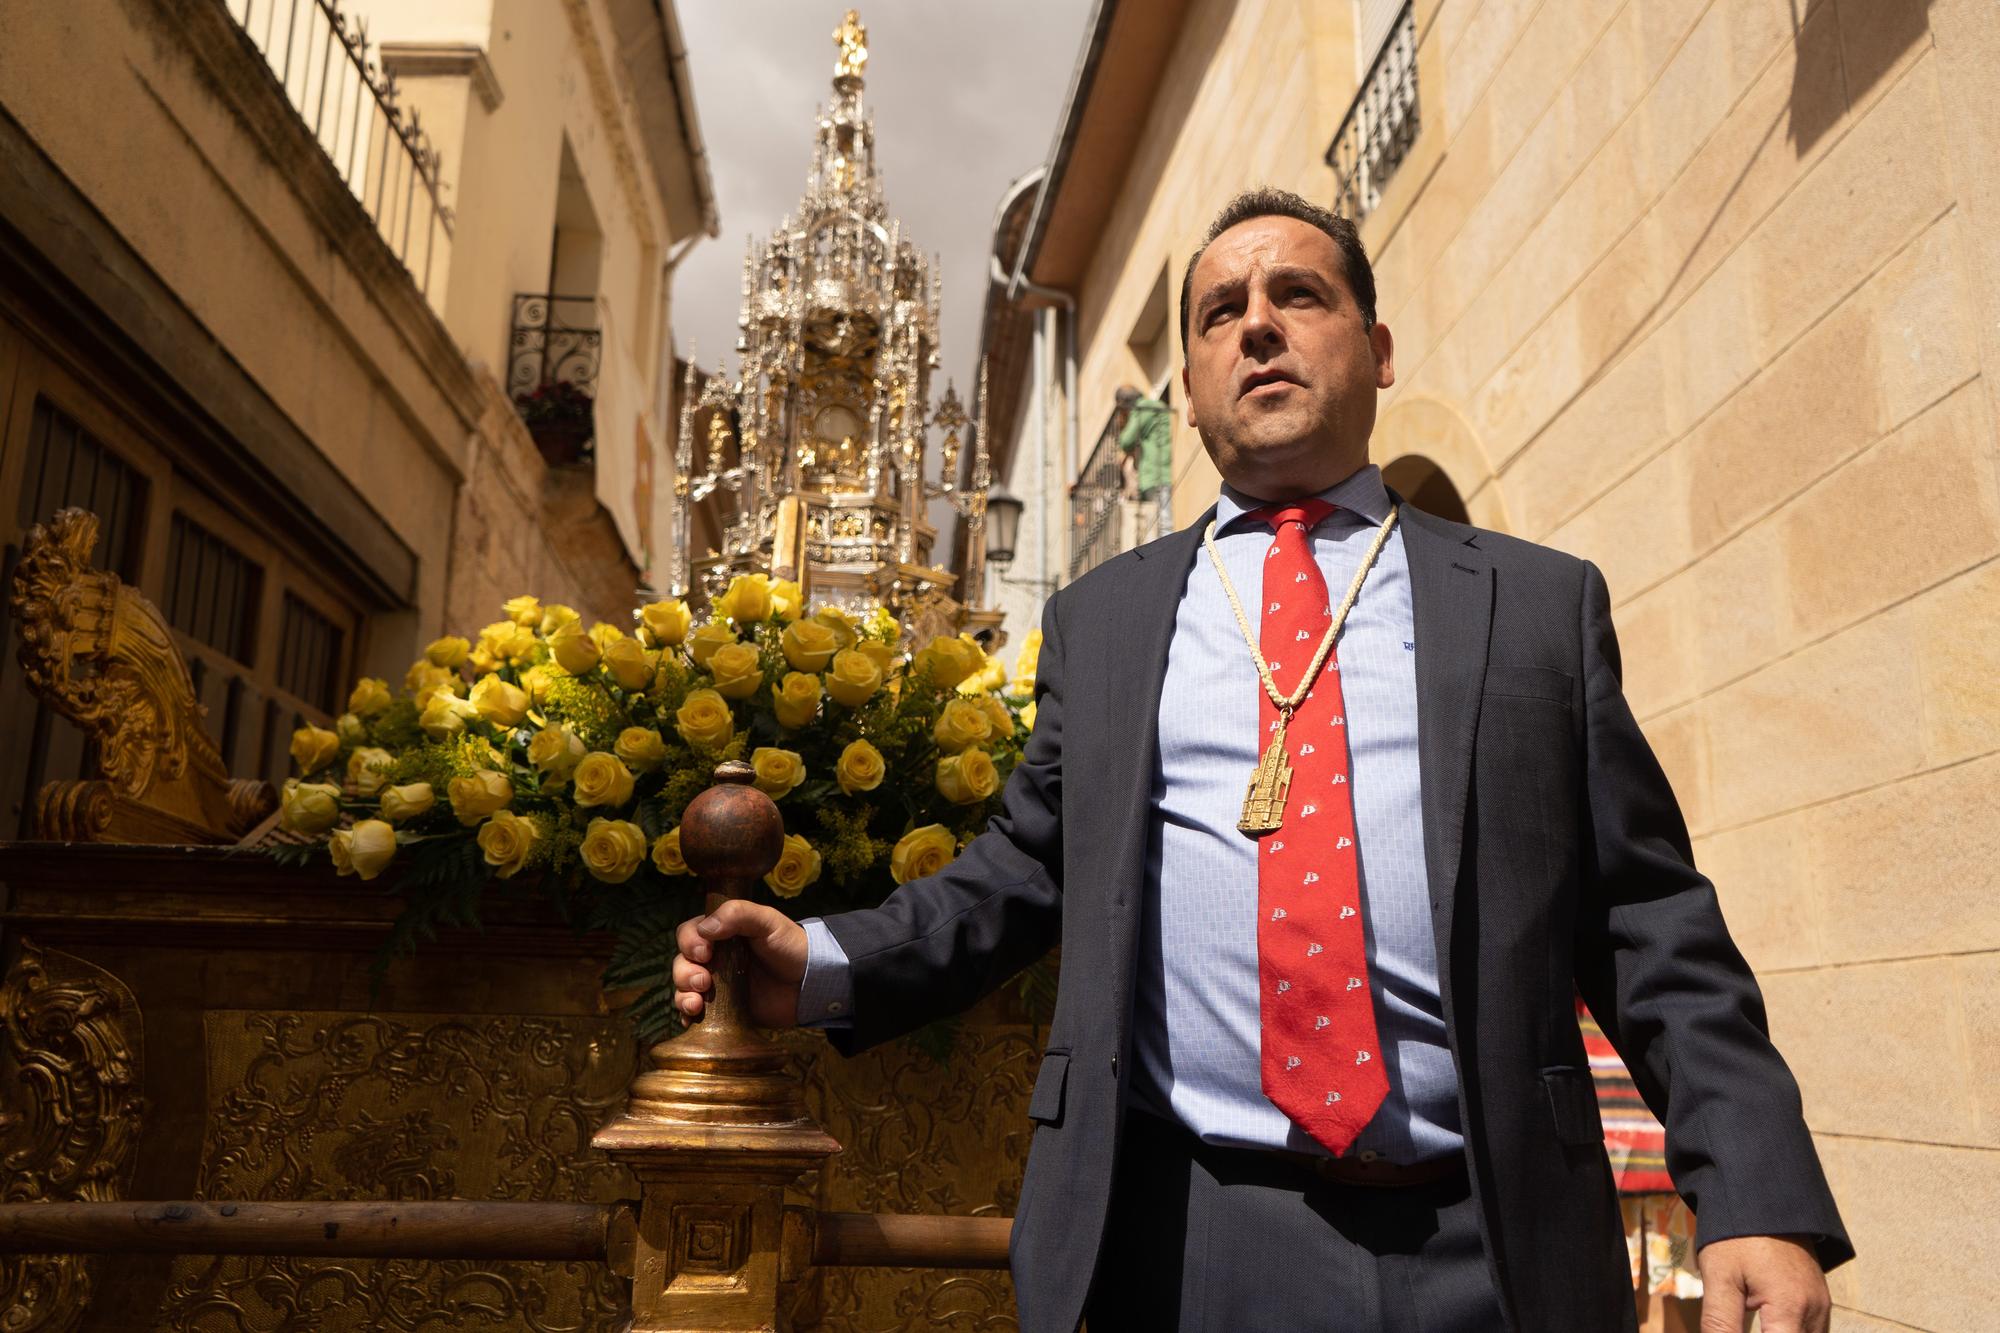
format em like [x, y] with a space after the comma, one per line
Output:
[1149, 430]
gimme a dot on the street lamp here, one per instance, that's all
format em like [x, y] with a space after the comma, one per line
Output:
[1003, 522]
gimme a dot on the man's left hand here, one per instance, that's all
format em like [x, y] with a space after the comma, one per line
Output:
[1777, 1277]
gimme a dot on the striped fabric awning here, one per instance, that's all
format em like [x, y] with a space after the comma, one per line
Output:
[1636, 1141]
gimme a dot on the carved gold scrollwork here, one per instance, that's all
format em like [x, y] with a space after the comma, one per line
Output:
[100, 654]
[407, 1107]
[921, 1137]
[70, 1116]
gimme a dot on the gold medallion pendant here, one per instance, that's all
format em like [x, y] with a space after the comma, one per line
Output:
[1264, 803]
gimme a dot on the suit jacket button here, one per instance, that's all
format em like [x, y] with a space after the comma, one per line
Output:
[1114, 1066]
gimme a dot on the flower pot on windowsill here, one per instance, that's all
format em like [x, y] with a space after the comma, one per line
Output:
[563, 443]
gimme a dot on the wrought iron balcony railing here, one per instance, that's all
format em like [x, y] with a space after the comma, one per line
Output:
[1097, 503]
[1381, 125]
[320, 58]
[552, 366]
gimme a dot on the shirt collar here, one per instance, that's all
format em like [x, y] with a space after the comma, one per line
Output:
[1361, 492]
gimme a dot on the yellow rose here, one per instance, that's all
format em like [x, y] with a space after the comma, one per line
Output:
[407, 801]
[602, 780]
[999, 717]
[787, 601]
[922, 851]
[350, 728]
[797, 867]
[629, 663]
[370, 696]
[845, 632]
[778, 771]
[523, 610]
[641, 748]
[881, 654]
[704, 642]
[575, 651]
[479, 795]
[962, 723]
[448, 652]
[990, 676]
[796, 699]
[704, 719]
[604, 634]
[860, 768]
[445, 715]
[367, 769]
[612, 849]
[425, 681]
[1027, 661]
[734, 666]
[1028, 716]
[556, 751]
[313, 748]
[808, 645]
[498, 702]
[507, 839]
[967, 777]
[309, 807]
[535, 680]
[518, 647]
[748, 599]
[554, 616]
[667, 854]
[482, 661]
[364, 849]
[949, 659]
[666, 622]
[854, 678]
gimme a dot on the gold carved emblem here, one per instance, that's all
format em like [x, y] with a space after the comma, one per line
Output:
[70, 1116]
[100, 654]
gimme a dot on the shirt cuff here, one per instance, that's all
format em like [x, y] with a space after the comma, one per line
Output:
[826, 992]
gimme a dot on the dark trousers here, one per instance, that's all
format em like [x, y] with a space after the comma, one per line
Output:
[1200, 1239]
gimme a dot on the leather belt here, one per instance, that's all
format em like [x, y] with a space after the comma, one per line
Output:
[1280, 1165]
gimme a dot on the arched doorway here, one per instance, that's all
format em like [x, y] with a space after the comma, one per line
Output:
[1424, 484]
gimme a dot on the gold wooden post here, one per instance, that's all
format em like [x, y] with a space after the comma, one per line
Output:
[716, 1129]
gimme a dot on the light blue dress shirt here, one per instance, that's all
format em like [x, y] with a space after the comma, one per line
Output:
[1195, 1030]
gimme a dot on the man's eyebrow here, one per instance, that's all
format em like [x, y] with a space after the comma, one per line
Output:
[1213, 293]
[1300, 271]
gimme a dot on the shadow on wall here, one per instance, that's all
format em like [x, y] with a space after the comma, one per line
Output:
[1873, 36]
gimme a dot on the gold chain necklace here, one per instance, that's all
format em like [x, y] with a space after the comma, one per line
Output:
[1264, 803]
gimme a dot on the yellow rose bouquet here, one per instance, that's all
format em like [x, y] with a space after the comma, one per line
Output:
[562, 754]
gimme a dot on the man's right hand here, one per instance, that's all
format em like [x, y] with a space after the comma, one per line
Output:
[777, 961]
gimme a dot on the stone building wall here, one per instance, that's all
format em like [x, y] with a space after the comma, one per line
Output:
[1708, 291]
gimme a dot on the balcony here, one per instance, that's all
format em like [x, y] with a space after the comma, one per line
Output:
[1380, 126]
[1099, 510]
[320, 57]
[552, 365]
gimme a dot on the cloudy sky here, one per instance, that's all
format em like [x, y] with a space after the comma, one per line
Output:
[965, 97]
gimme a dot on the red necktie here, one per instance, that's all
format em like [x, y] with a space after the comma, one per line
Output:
[1321, 1062]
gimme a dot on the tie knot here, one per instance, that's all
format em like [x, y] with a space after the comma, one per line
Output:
[1309, 512]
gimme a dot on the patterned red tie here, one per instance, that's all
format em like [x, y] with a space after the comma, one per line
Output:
[1321, 1063]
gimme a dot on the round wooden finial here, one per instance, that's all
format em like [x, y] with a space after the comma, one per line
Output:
[732, 834]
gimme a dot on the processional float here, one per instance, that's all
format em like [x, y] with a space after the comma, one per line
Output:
[142, 868]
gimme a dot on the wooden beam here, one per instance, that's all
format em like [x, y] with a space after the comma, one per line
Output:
[895, 1240]
[440, 1230]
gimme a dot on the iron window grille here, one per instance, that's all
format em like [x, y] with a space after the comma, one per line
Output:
[1381, 125]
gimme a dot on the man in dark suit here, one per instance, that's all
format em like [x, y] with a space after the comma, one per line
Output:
[1335, 807]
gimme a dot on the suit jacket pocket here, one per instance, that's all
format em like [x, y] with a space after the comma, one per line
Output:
[1046, 1104]
[1531, 682]
[1573, 1103]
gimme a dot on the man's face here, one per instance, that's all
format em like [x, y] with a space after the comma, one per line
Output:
[1281, 374]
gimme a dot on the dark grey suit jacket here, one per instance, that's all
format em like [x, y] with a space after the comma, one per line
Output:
[1558, 862]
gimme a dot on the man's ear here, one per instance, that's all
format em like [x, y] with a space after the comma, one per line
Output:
[1187, 396]
[1384, 344]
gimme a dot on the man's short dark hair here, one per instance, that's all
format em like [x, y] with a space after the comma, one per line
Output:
[1266, 202]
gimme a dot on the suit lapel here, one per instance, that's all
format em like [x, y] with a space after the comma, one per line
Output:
[1451, 591]
[1139, 631]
